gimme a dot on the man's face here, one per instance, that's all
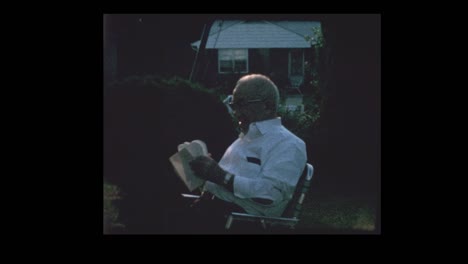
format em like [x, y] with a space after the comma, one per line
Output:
[246, 108]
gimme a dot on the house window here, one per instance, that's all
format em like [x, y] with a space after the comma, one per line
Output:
[233, 60]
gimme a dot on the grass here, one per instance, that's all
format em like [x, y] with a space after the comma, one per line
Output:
[342, 214]
[321, 214]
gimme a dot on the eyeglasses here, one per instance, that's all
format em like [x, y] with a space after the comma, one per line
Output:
[237, 105]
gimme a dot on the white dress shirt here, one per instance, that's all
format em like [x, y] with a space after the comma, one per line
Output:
[267, 163]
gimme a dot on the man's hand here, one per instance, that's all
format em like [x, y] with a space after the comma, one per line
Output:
[208, 169]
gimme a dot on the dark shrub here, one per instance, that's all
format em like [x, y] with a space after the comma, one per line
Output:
[145, 118]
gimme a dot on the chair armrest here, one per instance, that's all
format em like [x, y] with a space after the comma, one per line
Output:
[190, 196]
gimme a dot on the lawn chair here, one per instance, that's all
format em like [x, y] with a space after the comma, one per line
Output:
[290, 217]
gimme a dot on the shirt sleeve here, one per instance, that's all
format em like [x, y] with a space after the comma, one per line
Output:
[283, 167]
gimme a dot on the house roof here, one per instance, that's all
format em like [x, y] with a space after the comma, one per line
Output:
[226, 34]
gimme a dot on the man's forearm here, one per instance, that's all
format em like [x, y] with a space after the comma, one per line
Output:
[227, 181]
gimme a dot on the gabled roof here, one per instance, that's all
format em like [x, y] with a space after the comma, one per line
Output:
[226, 34]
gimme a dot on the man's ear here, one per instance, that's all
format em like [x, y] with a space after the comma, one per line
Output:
[269, 106]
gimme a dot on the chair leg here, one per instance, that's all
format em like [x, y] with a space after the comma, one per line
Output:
[228, 222]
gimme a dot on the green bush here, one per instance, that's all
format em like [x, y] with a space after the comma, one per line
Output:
[111, 212]
[302, 124]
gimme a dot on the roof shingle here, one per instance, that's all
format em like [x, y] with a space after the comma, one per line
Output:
[259, 34]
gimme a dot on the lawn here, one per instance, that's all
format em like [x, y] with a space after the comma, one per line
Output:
[321, 214]
[337, 214]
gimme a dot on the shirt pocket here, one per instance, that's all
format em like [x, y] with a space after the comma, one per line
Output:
[251, 166]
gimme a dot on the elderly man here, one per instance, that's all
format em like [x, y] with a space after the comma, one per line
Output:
[260, 170]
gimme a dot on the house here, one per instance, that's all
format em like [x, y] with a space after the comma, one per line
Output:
[278, 49]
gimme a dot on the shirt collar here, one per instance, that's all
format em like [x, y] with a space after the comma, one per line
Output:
[260, 128]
